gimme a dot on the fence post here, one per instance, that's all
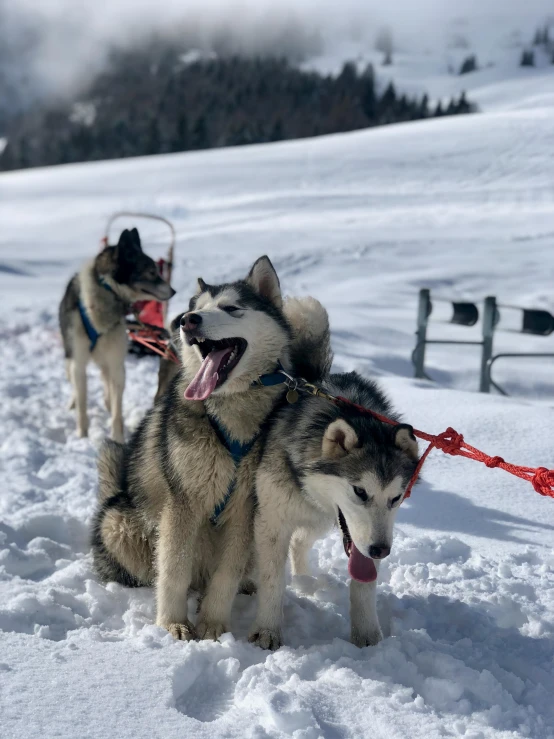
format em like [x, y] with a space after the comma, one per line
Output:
[424, 309]
[489, 321]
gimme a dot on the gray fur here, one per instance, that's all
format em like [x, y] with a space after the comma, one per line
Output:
[106, 287]
[314, 455]
[155, 527]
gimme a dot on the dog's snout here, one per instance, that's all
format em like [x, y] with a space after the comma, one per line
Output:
[191, 321]
[378, 551]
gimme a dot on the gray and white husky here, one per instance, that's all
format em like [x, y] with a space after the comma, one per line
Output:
[176, 504]
[92, 321]
[322, 463]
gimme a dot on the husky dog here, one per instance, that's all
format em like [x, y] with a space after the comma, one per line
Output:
[92, 321]
[176, 504]
[322, 463]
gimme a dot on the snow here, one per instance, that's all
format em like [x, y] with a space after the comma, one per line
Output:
[362, 221]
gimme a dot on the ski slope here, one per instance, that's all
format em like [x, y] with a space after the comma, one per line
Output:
[464, 206]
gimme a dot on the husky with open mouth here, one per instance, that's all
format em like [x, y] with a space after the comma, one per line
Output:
[323, 464]
[176, 504]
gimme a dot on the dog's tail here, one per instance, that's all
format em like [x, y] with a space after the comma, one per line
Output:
[310, 352]
[110, 466]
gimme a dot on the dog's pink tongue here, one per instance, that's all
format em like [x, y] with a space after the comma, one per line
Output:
[361, 568]
[205, 380]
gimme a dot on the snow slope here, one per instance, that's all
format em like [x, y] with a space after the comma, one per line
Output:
[362, 221]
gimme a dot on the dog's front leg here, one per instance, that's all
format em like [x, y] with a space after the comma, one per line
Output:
[272, 539]
[116, 388]
[79, 380]
[364, 622]
[234, 544]
[176, 542]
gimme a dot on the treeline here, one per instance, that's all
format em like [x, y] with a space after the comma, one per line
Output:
[156, 103]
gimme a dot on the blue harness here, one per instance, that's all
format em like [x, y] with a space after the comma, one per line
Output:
[237, 449]
[92, 333]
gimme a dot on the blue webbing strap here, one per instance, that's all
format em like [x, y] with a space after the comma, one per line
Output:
[238, 451]
[92, 333]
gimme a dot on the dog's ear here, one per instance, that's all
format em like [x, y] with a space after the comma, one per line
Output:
[404, 439]
[127, 241]
[338, 440]
[263, 279]
[201, 286]
[136, 238]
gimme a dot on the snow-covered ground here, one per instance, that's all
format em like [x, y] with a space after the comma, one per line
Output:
[464, 206]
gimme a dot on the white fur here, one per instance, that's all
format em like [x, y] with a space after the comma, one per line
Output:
[264, 336]
[290, 520]
[306, 316]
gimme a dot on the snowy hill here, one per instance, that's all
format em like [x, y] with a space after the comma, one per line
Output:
[464, 206]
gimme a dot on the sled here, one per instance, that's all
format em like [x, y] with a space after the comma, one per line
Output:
[147, 326]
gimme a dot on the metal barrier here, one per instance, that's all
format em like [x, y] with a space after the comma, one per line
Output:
[536, 322]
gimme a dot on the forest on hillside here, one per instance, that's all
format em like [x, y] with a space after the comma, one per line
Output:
[154, 101]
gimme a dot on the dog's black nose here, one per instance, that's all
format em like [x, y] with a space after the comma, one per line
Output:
[378, 552]
[190, 321]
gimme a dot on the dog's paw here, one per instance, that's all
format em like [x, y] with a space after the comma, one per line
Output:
[183, 632]
[210, 630]
[82, 432]
[266, 639]
[248, 587]
[366, 638]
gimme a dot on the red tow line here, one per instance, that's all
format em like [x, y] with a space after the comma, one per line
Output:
[159, 346]
[451, 442]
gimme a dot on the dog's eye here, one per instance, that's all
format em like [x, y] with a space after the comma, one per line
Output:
[394, 501]
[361, 493]
[229, 308]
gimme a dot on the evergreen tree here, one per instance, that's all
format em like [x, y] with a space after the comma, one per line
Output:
[368, 97]
[200, 134]
[153, 138]
[424, 107]
[277, 131]
[181, 140]
[469, 64]
[23, 157]
[527, 58]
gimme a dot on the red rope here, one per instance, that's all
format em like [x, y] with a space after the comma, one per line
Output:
[451, 442]
[159, 346]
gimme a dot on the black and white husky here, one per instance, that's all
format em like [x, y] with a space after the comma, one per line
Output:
[323, 464]
[92, 321]
[176, 504]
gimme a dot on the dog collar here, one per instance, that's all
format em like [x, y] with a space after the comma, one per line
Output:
[279, 377]
[105, 285]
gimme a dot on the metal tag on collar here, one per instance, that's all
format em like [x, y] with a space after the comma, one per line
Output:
[292, 385]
